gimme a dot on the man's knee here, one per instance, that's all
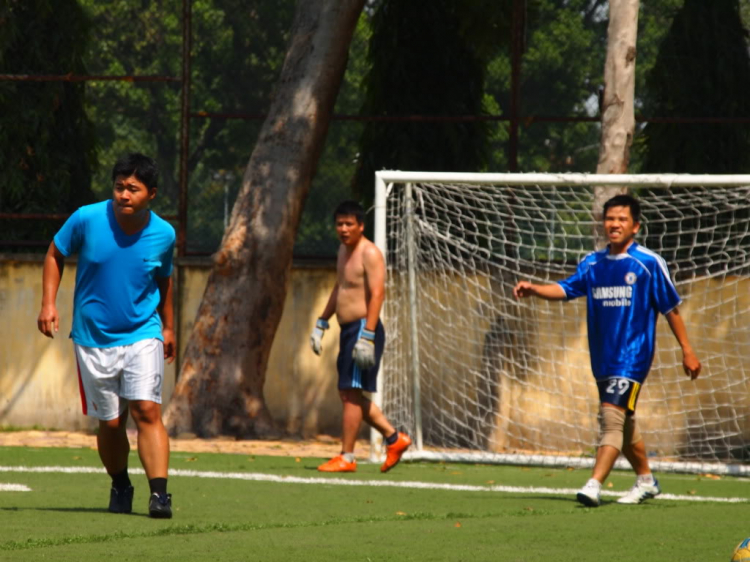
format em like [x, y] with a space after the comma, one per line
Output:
[631, 433]
[612, 426]
[114, 425]
[145, 411]
[352, 396]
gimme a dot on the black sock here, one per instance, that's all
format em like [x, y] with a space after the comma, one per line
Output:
[392, 439]
[121, 480]
[158, 485]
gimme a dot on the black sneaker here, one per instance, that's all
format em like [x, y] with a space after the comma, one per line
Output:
[160, 506]
[121, 500]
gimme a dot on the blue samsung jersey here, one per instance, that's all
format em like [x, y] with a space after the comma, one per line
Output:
[116, 294]
[625, 294]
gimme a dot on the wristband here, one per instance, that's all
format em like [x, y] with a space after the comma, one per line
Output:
[322, 324]
[368, 335]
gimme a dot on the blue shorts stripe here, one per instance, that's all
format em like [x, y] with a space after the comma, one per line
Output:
[351, 376]
[357, 372]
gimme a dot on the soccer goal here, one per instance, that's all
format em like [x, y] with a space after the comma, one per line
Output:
[475, 375]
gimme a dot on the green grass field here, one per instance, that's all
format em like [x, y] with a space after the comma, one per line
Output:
[235, 507]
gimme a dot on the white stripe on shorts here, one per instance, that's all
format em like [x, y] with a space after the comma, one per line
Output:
[111, 376]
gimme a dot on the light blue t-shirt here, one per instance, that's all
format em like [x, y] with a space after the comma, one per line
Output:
[116, 294]
[625, 294]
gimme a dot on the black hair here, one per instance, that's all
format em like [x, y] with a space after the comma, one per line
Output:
[350, 208]
[142, 167]
[624, 200]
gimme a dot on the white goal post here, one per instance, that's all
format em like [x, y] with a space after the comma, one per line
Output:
[474, 375]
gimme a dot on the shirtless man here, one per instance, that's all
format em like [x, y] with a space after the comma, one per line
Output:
[356, 299]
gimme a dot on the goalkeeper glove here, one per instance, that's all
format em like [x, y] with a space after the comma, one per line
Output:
[316, 338]
[364, 350]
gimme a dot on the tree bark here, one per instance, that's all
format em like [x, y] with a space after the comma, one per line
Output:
[618, 114]
[220, 388]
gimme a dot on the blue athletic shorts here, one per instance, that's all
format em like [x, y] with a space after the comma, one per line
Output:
[351, 376]
[619, 391]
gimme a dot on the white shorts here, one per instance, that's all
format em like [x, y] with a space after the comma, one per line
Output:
[109, 377]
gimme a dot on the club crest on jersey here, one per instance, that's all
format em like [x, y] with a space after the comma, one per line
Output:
[631, 278]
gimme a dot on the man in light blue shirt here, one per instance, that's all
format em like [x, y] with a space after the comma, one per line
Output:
[122, 323]
[626, 287]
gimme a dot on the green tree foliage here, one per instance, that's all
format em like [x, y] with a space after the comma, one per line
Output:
[443, 58]
[562, 69]
[135, 39]
[237, 50]
[427, 59]
[565, 44]
[48, 143]
[702, 70]
[332, 183]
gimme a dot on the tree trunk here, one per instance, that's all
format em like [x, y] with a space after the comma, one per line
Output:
[220, 389]
[618, 116]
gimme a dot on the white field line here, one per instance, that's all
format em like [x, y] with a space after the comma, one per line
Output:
[14, 488]
[260, 477]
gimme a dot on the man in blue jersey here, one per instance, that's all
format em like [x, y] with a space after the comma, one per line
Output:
[122, 323]
[626, 286]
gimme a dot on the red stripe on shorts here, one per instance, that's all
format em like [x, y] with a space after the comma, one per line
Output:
[81, 390]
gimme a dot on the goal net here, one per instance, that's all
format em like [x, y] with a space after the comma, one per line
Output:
[473, 374]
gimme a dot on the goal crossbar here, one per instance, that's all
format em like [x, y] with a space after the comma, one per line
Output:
[520, 179]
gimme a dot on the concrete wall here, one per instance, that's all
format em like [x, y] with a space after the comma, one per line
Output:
[541, 391]
[513, 376]
[38, 377]
[38, 382]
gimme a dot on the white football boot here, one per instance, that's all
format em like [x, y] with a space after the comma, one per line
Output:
[590, 494]
[641, 492]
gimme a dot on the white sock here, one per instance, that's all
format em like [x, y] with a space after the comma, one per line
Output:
[349, 457]
[647, 479]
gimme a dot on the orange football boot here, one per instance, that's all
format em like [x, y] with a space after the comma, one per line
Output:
[338, 464]
[393, 452]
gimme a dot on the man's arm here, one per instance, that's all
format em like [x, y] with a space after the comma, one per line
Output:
[551, 292]
[374, 265]
[321, 325]
[689, 360]
[166, 312]
[48, 321]
[330, 308]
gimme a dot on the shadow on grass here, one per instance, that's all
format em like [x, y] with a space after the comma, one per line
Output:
[74, 510]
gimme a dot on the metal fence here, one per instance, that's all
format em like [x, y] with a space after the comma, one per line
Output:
[189, 83]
